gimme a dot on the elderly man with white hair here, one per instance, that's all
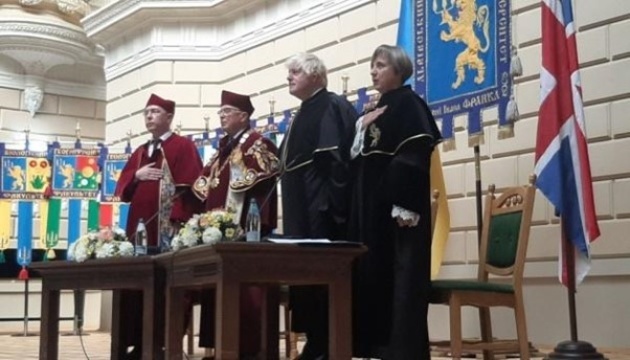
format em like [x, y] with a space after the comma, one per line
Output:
[314, 159]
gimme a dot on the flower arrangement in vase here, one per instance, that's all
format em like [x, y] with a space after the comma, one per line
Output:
[208, 228]
[104, 243]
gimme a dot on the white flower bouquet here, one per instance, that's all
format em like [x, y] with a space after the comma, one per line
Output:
[105, 243]
[207, 228]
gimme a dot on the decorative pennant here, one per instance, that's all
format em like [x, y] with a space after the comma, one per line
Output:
[113, 166]
[74, 220]
[51, 231]
[93, 215]
[25, 174]
[123, 215]
[462, 60]
[448, 133]
[106, 215]
[5, 227]
[75, 173]
[25, 236]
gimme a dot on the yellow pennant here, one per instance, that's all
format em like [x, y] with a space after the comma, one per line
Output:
[5, 223]
[443, 218]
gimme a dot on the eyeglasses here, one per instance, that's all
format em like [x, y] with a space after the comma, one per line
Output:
[227, 111]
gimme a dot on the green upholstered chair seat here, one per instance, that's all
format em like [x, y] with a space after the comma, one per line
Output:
[463, 285]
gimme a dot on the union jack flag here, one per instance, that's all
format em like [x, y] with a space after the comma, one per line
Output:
[562, 163]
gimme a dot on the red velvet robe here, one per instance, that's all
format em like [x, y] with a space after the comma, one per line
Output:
[255, 157]
[177, 156]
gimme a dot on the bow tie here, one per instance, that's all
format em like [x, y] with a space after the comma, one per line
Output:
[155, 142]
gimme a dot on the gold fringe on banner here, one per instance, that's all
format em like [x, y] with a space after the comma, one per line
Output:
[448, 145]
[506, 132]
[476, 139]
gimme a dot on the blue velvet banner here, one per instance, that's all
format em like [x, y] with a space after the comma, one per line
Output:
[462, 54]
[25, 232]
[123, 214]
[74, 220]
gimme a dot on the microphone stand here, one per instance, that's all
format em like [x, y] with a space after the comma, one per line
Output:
[151, 218]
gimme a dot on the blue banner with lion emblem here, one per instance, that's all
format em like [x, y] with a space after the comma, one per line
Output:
[462, 61]
[113, 166]
[25, 174]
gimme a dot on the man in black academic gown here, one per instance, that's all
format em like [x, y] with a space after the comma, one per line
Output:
[315, 184]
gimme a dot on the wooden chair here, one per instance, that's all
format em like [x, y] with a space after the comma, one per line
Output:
[503, 248]
[290, 338]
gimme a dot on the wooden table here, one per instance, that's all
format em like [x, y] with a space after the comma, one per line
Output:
[133, 273]
[226, 266]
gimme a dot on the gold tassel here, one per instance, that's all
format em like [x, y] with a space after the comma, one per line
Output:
[506, 132]
[516, 68]
[475, 140]
[448, 144]
[50, 254]
[511, 111]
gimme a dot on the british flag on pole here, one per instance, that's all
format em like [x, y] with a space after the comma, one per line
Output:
[562, 163]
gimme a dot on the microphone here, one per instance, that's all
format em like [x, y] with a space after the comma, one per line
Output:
[150, 219]
[283, 170]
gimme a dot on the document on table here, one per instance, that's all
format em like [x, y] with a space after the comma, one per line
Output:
[298, 241]
[313, 242]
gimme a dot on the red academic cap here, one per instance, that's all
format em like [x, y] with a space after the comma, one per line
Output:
[167, 105]
[242, 102]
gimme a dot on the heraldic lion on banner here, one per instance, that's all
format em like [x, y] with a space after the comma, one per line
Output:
[461, 29]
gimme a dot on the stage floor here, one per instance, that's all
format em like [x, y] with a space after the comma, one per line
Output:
[97, 348]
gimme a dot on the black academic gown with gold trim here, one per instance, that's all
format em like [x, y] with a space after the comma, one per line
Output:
[316, 189]
[392, 279]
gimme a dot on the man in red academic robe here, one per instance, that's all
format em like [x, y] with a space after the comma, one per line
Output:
[244, 168]
[156, 182]
[157, 178]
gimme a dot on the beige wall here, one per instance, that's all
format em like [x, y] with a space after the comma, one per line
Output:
[56, 119]
[345, 42]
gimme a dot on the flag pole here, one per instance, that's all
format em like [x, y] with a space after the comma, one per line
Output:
[572, 349]
[478, 193]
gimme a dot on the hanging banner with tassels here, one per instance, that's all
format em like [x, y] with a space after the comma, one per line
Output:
[93, 215]
[75, 176]
[112, 165]
[24, 237]
[25, 174]
[123, 215]
[106, 215]
[50, 216]
[74, 220]
[462, 61]
[5, 227]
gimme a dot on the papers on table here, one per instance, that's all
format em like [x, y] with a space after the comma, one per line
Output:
[298, 241]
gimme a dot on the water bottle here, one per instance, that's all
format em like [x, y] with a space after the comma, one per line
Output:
[141, 239]
[252, 223]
